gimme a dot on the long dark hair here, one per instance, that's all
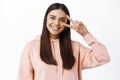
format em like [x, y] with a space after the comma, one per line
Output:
[65, 41]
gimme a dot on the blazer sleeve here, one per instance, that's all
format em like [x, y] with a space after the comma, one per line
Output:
[94, 55]
[25, 71]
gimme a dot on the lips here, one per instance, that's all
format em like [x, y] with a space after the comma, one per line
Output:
[55, 28]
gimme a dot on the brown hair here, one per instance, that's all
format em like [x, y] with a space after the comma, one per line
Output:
[65, 41]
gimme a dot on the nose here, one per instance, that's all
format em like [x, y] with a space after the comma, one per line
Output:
[56, 22]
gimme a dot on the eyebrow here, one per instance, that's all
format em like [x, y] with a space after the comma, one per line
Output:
[55, 16]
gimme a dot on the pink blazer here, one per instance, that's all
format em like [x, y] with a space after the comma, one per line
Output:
[31, 67]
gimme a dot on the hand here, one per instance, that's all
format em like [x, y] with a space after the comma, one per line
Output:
[77, 26]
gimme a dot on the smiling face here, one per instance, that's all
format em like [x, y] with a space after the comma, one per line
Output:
[55, 20]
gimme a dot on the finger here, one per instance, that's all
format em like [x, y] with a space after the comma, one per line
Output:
[67, 25]
[76, 22]
[81, 24]
[70, 19]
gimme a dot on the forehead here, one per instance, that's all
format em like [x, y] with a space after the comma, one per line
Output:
[57, 13]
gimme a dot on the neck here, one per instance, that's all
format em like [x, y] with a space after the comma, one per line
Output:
[54, 36]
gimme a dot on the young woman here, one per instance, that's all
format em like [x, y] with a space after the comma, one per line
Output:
[54, 56]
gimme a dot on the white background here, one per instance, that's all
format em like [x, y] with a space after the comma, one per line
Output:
[21, 21]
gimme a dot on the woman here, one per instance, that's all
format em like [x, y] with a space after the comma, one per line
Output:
[54, 56]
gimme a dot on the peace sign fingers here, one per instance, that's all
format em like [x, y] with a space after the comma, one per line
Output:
[68, 25]
[74, 23]
[77, 26]
[70, 19]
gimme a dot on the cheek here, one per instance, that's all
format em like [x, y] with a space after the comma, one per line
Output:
[48, 23]
[62, 26]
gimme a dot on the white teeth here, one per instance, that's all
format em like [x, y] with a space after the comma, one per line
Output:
[55, 28]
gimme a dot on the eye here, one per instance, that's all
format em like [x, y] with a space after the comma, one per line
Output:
[53, 18]
[63, 20]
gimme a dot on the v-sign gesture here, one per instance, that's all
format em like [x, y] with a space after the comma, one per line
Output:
[77, 26]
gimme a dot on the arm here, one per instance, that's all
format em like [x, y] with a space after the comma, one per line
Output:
[94, 56]
[97, 53]
[25, 71]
